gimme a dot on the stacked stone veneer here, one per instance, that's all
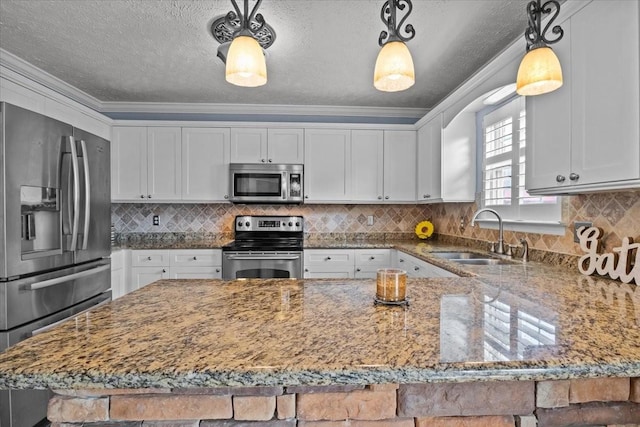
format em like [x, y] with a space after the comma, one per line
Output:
[579, 402]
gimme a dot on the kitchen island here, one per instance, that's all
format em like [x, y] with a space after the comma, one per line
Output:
[516, 340]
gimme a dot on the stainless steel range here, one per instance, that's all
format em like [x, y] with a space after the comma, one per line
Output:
[264, 247]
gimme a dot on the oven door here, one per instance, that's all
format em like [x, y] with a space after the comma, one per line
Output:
[262, 265]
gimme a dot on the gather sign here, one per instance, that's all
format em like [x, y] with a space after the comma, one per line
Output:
[621, 264]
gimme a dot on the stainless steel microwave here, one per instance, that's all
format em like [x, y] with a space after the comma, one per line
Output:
[266, 183]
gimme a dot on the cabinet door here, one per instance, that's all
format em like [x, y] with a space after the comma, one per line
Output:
[399, 166]
[367, 154]
[248, 145]
[604, 92]
[429, 160]
[285, 146]
[548, 151]
[142, 276]
[327, 165]
[205, 164]
[164, 163]
[129, 163]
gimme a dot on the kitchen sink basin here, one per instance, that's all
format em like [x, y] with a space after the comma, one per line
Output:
[470, 258]
[455, 256]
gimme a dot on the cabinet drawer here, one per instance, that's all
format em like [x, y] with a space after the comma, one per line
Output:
[196, 258]
[196, 272]
[373, 258]
[320, 257]
[150, 258]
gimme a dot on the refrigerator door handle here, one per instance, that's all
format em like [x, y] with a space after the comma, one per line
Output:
[63, 279]
[76, 193]
[87, 193]
[53, 325]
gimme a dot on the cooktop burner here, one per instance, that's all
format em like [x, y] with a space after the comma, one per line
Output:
[267, 233]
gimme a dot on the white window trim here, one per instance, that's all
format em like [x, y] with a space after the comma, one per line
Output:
[557, 228]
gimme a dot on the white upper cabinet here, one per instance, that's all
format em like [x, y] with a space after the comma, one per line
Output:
[399, 166]
[205, 164]
[164, 163]
[429, 168]
[145, 163]
[327, 165]
[285, 146]
[259, 145]
[129, 163]
[586, 135]
[367, 165]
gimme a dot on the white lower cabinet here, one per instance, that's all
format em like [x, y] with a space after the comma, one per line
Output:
[415, 267]
[147, 266]
[364, 264]
[329, 263]
[118, 276]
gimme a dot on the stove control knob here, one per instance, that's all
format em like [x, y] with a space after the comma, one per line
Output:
[240, 224]
[297, 224]
[247, 223]
[290, 224]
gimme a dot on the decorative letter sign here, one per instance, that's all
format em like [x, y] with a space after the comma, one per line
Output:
[617, 265]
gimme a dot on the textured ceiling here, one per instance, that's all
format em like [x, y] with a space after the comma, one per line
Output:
[324, 53]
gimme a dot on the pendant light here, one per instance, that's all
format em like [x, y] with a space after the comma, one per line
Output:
[540, 71]
[394, 69]
[243, 38]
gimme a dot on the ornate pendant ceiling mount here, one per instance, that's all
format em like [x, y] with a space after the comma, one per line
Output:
[394, 69]
[243, 36]
[540, 71]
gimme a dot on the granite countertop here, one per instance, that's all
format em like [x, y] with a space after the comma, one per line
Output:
[512, 321]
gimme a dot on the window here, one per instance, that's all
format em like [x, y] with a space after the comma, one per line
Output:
[503, 166]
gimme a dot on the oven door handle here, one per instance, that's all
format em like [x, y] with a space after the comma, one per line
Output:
[262, 258]
[58, 280]
[53, 325]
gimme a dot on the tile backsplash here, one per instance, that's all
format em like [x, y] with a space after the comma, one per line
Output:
[616, 213]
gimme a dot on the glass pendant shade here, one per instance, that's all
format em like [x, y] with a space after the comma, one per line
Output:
[539, 72]
[394, 68]
[246, 64]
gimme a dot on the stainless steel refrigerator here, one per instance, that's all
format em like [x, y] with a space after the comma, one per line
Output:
[55, 212]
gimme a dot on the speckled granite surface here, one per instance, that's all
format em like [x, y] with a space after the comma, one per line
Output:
[511, 321]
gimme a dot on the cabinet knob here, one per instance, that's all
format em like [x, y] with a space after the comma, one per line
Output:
[306, 270]
[372, 258]
[400, 260]
[560, 178]
[416, 268]
[386, 197]
[263, 160]
[226, 196]
[357, 269]
[379, 197]
[149, 258]
[574, 176]
[164, 271]
[270, 160]
[328, 258]
[217, 270]
[142, 196]
[195, 258]
[426, 196]
[149, 196]
[306, 197]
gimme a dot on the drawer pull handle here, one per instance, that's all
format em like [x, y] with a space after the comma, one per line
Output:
[416, 268]
[149, 258]
[372, 258]
[328, 258]
[195, 258]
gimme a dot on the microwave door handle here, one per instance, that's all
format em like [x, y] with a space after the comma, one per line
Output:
[285, 185]
[76, 193]
[87, 194]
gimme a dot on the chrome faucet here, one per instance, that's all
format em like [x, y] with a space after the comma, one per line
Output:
[500, 248]
[525, 249]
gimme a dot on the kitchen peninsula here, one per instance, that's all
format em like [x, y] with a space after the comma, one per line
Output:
[514, 339]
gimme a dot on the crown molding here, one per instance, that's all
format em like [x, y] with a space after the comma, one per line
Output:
[261, 109]
[35, 74]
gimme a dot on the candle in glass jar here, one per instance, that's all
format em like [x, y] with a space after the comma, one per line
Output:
[391, 285]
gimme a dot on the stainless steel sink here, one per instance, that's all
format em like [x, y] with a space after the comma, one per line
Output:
[455, 256]
[470, 258]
